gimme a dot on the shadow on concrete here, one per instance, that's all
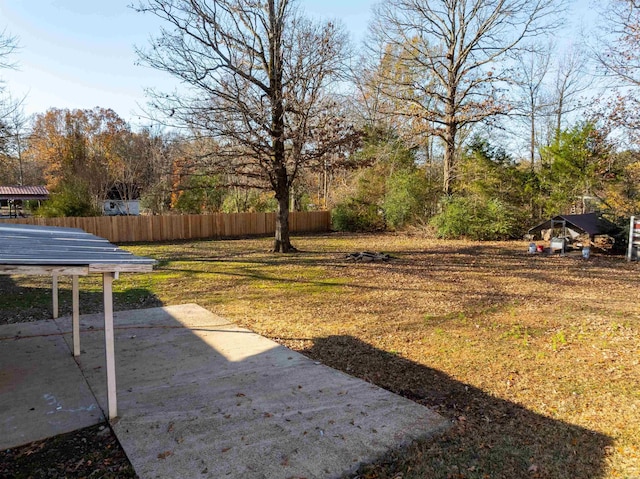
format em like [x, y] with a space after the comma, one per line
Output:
[201, 397]
[492, 438]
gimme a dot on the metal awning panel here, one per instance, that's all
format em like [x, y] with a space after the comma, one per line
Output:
[36, 230]
[49, 245]
[28, 249]
[52, 240]
[9, 256]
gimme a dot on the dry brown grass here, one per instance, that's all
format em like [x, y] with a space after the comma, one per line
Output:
[536, 360]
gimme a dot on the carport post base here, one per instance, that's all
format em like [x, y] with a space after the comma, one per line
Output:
[76, 317]
[112, 400]
[54, 295]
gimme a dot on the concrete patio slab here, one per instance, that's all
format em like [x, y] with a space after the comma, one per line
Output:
[42, 391]
[200, 397]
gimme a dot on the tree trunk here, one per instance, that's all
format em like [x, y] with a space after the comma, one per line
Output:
[559, 114]
[280, 179]
[282, 241]
[449, 158]
[532, 140]
[450, 129]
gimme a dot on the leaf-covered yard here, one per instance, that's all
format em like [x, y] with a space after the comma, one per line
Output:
[534, 359]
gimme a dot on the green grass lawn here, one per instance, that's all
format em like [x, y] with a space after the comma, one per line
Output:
[534, 359]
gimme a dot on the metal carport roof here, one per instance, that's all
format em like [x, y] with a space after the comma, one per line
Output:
[27, 249]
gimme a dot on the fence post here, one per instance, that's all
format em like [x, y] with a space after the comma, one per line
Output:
[632, 237]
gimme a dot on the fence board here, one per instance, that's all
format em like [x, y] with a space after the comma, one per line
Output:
[633, 253]
[126, 229]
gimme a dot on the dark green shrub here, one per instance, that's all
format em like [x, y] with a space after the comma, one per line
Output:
[200, 194]
[249, 200]
[354, 215]
[71, 199]
[464, 218]
[407, 193]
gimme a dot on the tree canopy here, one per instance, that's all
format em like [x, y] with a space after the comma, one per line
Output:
[258, 73]
[452, 56]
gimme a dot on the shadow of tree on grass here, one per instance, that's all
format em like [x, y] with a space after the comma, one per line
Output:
[490, 437]
[20, 303]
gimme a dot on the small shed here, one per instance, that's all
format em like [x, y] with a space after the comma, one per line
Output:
[122, 200]
[576, 225]
[121, 207]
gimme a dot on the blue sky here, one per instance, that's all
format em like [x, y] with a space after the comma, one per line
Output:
[79, 53]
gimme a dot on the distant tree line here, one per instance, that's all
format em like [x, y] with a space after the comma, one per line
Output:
[459, 118]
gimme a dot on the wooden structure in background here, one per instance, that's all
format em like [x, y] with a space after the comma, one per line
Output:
[128, 229]
[26, 249]
[16, 195]
[575, 225]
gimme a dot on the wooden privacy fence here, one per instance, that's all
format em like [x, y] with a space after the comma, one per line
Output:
[126, 229]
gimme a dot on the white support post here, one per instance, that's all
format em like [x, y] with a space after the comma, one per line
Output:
[76, 316]
[54, 294]
[632, 225]
[112, 400]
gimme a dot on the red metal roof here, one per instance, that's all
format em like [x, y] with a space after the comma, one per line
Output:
[23, 192]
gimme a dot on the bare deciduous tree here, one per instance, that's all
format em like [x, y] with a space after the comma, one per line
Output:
[8, 45]
[532, 68]
[257, 72]
[617, 52]
[15, 143]
[457, 47]
[572, 78]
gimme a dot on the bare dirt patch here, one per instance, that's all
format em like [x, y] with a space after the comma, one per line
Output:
[91, 452]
